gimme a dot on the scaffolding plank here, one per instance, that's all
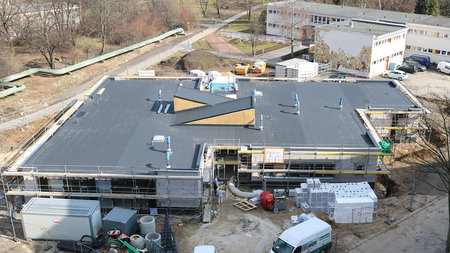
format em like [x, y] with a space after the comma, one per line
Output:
[244, 205]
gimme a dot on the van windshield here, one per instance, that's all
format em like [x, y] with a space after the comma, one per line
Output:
[281, 246]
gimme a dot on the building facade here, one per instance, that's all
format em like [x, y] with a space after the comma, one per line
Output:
[427, 35]
[360, 47]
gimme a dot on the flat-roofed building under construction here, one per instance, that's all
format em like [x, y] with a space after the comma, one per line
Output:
[159, 143]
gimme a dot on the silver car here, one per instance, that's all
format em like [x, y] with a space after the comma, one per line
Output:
[396, 74]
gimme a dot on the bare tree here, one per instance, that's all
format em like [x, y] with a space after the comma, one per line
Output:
[66, 17]
[218, 6]
[103, 17]
[38, 29]
[257, 27]
[249, 4]
[8, 13]
[168, 10]
[204, 7]
[434, 158]
[292, 20]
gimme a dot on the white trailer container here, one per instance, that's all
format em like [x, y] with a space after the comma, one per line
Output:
[303, 71]
[353, 210]
[61, 219]
[281, 67]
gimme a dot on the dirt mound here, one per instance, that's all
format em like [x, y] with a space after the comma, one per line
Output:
[198, 59]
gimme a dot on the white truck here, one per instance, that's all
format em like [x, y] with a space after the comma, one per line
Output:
[310, 236]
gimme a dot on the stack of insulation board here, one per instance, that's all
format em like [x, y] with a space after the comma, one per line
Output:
[344, 202]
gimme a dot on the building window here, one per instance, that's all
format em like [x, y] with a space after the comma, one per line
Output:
[444, 52]
[430, 50]
[408, 47]
[438, 51]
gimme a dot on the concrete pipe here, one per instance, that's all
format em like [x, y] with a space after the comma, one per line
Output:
[155, 237]
[137, 241]
[147, 225]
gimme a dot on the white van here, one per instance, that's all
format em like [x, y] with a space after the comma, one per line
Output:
[444, 67]
[312, 235]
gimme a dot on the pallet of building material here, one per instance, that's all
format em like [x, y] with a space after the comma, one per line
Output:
[244, 206]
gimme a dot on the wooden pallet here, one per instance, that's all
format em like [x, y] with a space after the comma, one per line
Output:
[244, 206]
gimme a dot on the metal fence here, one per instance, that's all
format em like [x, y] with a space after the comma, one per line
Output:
[249, 36]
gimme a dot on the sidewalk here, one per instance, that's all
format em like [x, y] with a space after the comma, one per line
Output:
[424, 230]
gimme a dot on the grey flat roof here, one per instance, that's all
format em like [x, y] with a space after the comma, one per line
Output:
[365, 13]
[115, 129]
[199, 96]
[366, 27]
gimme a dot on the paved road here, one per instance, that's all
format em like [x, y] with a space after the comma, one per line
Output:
[425, 230]
[130, 68]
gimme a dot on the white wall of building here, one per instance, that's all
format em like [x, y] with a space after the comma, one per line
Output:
[387, 49]
[356, 53]
[347, 52]
[431, 41]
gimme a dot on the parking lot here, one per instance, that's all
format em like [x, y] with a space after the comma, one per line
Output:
[428, 84]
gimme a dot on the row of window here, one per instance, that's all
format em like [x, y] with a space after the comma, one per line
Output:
[324, 20]
[428, 33]
[384, 59]
[282, 26]
[428, 50]
[397, 37]
[312, 18]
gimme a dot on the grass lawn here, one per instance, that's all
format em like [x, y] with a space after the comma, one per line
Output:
[240, 25]
[246, 47]
[201, 44]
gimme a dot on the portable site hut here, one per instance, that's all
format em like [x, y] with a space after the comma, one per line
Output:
[61, 219]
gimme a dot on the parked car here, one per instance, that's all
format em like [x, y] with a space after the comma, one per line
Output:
[419, 66]
[396, 74]
[422, 59]
[407, 68]
[444, 67]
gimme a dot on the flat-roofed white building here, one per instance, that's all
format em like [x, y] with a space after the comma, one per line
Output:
[360, 47]
[427, 35]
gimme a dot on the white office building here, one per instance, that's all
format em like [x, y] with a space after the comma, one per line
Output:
[360, 47]
[427, 35]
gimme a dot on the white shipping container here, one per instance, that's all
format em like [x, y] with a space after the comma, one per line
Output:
[61, 219]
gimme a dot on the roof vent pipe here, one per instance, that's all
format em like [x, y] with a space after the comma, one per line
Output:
[159, 95]
[168, 160]
[261, 122]
[298, 107]
[296, 98]
[341, 103]
[169, 150]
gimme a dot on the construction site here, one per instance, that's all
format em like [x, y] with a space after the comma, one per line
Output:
[236, 160]
[160, 143]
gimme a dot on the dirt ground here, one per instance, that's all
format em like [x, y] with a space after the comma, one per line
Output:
[220, 45]
[234, 230]
[203, 60]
